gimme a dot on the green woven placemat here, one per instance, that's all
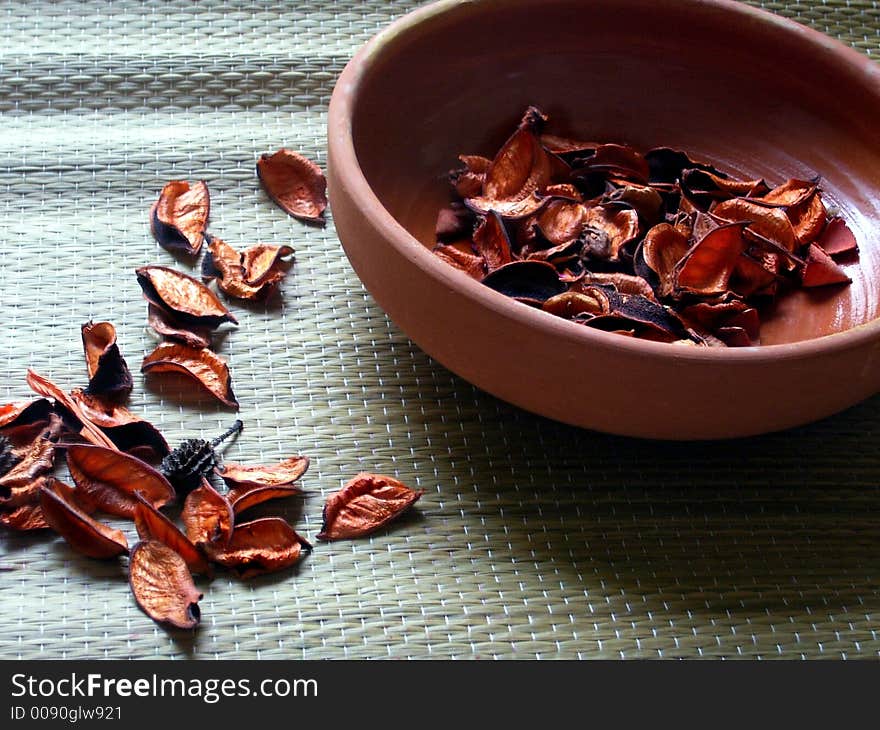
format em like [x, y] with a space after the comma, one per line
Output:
[533, 539]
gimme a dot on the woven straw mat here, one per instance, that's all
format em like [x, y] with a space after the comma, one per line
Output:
[533, 539]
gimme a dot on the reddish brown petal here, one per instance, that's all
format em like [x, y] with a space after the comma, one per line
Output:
[663, 247]
[708, 265]
[771, 223]
[127, 431]
[223, 263]
[26, 518]
[791, 192]
[701, 187]
[471, 264]
[20, 483]
[561, 221]
[272, 475]
[186, 298]
[108, 479]
[207, 516]
[164, 323]
[151, 524]
[821, 270]
[566, 145]
[16, 491]
[263, 261]
[618, 227]
[591, 300]
[108, 373]
[262, 546]
[179, 217]
[808, 218]
[755, 274]
[84, 534]
[294, 183]
[623, 283]
[491, 242]
[163, 586]
[45, 387]
[364, 505]
[205, 367]
[620, 161]
[24, 412]
[243, 498]
[837, 238]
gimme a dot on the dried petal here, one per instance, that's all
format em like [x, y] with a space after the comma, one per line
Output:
[178, 219]
[262, 546]
[84, 534]
[364, 505]
[821, 270]
[702, 187]
[204, 366]
[294, 183]
[45, 387]
[108, 372]
[207, 516]
[620, 226]
[592, 301]
[533, 281]
[568, 146]
[792, 192]
[20, 483]
[771, 223]
[151, 524]
[708, 265]
[225, 264]
[163, 586]
[454, 223]
[264, 261]
[274, 475]
[187, 299]
[623, 283]
[663, 247]
[108, 479]
[492, 243]
[25, 518]
[808, 218]
[837, 238]
[561, 221]
[666, 165]
[24, 412]
[471, 264]
[620, 161]
[127, 431]
[163, 322]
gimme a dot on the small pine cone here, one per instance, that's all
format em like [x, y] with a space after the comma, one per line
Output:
[193, 459]
[8, 459]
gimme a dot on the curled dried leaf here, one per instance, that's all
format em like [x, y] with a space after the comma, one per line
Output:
[108, 372]
[225, 264]
[771, 223]
[792, 192]
[151, 524]
[264, 261]
[365, 504]
[207, 516]
[84, 533]
[294, 183]
[179, 217]
[163, 586]
[187, 299]
[205, 367]
[261, 546]
[109, 479]
[529, 281]
[164, 323]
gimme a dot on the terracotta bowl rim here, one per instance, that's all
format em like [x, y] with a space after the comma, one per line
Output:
[347, 168]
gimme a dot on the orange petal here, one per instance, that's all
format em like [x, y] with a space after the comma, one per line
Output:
[294, 183]
[491, 242]
[771, 223]
[262, 546]
[207, 516]
[179, 217]
[471, 264]
[708, 265]
[164, 323]
[127, 431]
[207, 368]
[84, 534]
[163, 586]
[261, 261]
[837, 238]
[224, 263]
[821, 270]
[151, 524]
[663, 247]
[274, 475]
[186, 298]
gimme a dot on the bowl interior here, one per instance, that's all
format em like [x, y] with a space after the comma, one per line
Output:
[755, 95]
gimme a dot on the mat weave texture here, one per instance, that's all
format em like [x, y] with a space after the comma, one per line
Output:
[533, 539]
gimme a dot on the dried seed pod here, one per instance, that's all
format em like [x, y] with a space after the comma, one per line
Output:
[532, 281]
[207, 517]
[707, 267]
[151, 524]
[205, 367]
[187, 299]
[821, 270]
[194, 459]
[364, 505]
[84, 534]
[179, 217]
[294, 183]
[108, 479]
[164, 323]
[108, 372]
[163, 586]
[261, 546]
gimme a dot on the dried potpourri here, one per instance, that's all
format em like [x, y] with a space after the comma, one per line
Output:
[252, 274]
[179, 217]
[655, 245]
[163, 586]
[194, 459]
[202, 365]
[109, 375]
[295, 184]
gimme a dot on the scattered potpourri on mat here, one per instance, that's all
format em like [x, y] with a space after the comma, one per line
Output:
[108, 447]
[656, 246]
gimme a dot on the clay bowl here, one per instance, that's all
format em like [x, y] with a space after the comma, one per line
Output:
[753, 93]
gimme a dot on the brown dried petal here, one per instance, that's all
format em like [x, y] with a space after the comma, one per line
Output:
[561, 221]
[471, 264]
[25, 518]
[45, 387]
[108, 371]
[186, 298]
[623, 283]
[179, 217]
[791, 192]
[620, 161]
[702, 187]
[163, 586]
[566, 145]
[771, 223]
[619, 225]
[274, 475]
[708, 265]
[592, 301]
[808, 218]
[530, 281]
[224, 263]
[491, 242]
[204, 366]
[821, 270]
[20, 483]
[663, 247]
[84, 534]
[127, 431]
[151, 524]
[262, 546]
[108, 479]
[164, 323]
[837, 238]
[263, 261]
[294, 183]
[207, 516]
[364, 505]
[24, 412]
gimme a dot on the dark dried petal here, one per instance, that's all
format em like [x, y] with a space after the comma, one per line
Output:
[127, 431]
[24, 412]
[84, 534]
[108, 372]
[454, 223]
[621, 161]
[205, 367]
[178, 219]
[702, 187]
[492, 243]
[365, 504]
[187, 299]
[163, 586]
[294, 183]
[164, 323]
[261, 546]
[536, 281]
[666, 165]
[620, 226]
